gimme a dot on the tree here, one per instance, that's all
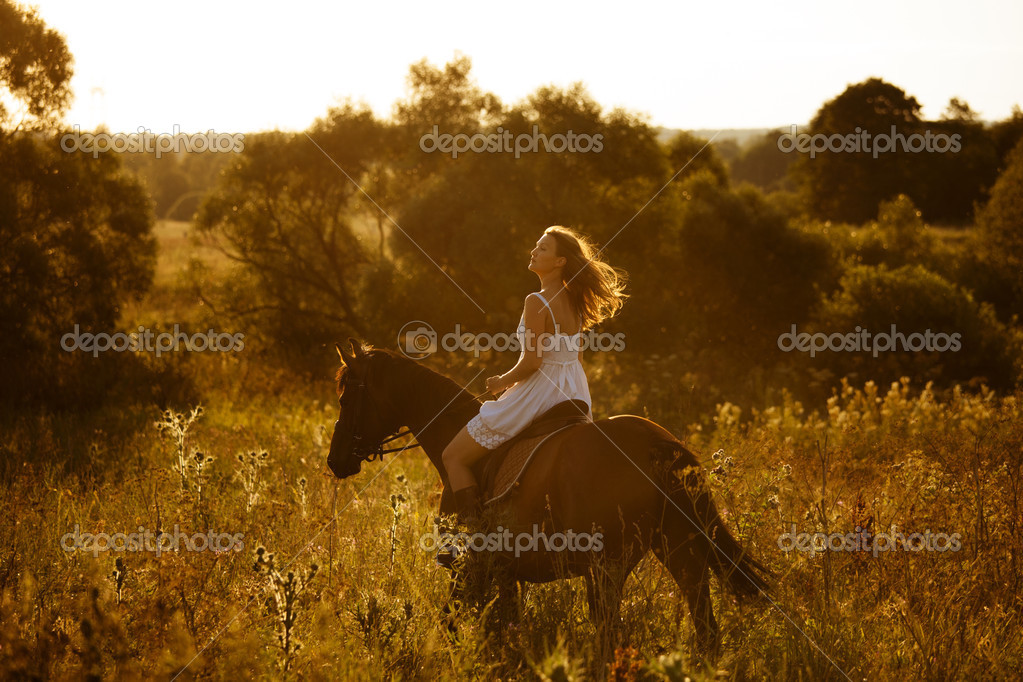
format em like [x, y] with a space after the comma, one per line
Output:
[689, 154]
[764, 164]
[949, 184]
[288, 213]
[848, 186]
[1006, 134]
[739, 272]
[75, 231]
[35, 70]
[481, 213]
[1000, 224]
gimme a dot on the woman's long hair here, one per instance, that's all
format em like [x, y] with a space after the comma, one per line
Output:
[595, 289]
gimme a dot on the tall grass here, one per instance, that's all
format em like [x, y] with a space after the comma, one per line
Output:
[909, 460]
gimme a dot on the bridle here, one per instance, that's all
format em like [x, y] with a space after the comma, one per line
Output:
[364, 453]
[359, 450]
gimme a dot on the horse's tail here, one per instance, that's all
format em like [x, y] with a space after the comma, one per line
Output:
[687, 487]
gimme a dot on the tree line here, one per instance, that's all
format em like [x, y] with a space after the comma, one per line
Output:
[352, 228]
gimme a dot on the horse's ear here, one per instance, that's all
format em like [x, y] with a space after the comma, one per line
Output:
[345, 358]
[356, 347]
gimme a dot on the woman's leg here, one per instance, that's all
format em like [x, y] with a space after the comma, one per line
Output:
[459, 456]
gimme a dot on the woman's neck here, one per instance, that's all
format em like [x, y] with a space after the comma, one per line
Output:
[551, 284]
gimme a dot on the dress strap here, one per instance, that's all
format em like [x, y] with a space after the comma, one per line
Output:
[554, 321]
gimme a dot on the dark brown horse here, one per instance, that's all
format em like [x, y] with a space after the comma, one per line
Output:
[625, 477]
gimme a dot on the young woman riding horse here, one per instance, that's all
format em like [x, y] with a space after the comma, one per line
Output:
[577, 291]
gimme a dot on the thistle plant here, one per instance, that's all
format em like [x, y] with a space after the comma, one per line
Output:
[286, 590]
[196, 466]
[177, 425]
[382, 619]
[250, 475]
[118, 576]
[397, 502]
[301, 493]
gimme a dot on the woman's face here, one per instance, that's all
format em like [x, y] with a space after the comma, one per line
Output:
[544, 258]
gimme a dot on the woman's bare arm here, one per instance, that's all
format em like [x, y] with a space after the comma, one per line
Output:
[534, 317]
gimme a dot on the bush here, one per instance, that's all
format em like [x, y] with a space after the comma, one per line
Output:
[914, 300]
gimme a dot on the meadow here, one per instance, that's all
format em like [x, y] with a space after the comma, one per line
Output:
[326, 579]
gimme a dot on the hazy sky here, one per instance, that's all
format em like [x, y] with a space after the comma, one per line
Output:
[254, 65]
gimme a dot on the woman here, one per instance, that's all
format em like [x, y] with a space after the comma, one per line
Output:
[577, 291]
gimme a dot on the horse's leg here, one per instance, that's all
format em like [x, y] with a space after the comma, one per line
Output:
[455, 601]
[692, 574]
[604, 596]
[506, 607]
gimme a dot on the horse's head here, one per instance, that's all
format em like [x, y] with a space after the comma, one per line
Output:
[363, 421]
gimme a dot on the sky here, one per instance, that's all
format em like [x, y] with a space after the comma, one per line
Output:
[255, 65]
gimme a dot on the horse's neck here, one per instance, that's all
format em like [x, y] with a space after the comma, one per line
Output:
[437, 419]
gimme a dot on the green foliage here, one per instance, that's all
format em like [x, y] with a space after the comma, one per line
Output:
[1006, 134]
[763, 164]
[738, 271]
[319, 260]
[35, 70]
[77, 245]
[945, 184]
[76, 232]
[897, 237]
[915, 300]
[1000, 224]
[689, 155]
[288, 214]
[717, 272]
[848, 186]
[479, 216]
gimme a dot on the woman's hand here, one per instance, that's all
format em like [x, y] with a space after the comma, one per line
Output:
[495, 385]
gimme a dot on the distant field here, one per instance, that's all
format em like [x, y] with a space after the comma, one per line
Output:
[172, 297]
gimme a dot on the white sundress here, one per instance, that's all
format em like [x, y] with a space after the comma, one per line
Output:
[559, 378]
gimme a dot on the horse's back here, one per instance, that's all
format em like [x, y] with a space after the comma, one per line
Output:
[640, 425]
[616, 451]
